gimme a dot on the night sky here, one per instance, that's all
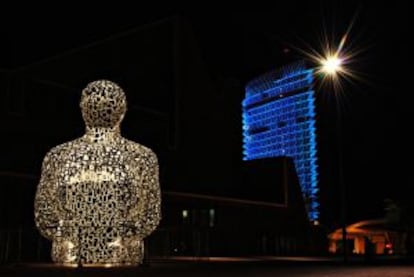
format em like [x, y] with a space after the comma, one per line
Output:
[236, 47]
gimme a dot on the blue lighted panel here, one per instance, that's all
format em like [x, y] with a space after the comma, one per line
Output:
[279, 120]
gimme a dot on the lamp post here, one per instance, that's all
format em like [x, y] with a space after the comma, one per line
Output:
[330, 67]
[333, 66]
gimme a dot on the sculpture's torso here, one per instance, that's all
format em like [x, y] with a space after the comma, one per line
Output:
[101, 189]
[96, 192]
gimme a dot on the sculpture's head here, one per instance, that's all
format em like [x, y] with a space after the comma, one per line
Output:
[103, 104]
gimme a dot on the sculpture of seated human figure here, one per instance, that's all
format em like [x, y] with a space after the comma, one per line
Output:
[99, 195]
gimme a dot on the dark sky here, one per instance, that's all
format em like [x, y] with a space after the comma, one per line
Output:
[238, 46]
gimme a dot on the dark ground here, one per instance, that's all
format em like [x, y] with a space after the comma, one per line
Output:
[244, 268]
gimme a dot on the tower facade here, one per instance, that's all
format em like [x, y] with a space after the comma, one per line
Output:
[279, 120]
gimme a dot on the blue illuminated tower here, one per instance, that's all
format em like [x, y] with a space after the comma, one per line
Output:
[279, 120]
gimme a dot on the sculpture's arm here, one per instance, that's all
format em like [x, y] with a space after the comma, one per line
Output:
[146, 213]
[45, 206]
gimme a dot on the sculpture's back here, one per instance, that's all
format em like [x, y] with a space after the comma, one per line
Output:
[99, 195]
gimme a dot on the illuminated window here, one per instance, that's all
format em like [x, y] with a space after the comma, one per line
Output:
[212, 216]
[185, 214]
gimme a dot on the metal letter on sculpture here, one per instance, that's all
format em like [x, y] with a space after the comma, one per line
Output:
[99, 195]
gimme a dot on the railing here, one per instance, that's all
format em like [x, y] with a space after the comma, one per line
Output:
[23, 245]
[26, 245]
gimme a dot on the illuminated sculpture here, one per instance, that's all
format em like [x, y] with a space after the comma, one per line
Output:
[99, 195]
[279, 120]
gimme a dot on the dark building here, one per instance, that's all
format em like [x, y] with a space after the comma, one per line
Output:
[242, 223]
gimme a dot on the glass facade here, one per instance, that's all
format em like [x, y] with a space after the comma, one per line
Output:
[279, 120]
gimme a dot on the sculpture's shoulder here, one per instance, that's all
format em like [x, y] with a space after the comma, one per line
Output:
[56, 152]
[140, 151]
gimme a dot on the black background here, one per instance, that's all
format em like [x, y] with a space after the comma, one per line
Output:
[203, 144]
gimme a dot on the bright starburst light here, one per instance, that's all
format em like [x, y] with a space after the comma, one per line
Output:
[333, 60]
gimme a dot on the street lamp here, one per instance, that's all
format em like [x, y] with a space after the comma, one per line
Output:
[330, 66]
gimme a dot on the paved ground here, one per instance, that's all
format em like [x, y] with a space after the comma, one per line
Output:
[239, 269]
